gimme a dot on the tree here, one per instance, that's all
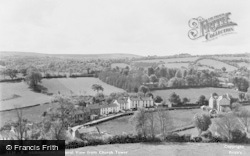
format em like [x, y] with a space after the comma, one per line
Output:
[202, 100]
[150, 71]
[148, 94]
[185, 100]
[178, 74]
[202, 122]
[97, 87]
[151, 117]
[163, 72]
[158, 99]
[59, 118]
[225, 124]
[12, 73]
[223, 69]
[241, 83]
[163, 82]
[174, 98]
[164, 120]
[139, 119]
[244, 115]
[241, 96]
[145, 78]
[153, 78]
[33, 77]
[143, 89]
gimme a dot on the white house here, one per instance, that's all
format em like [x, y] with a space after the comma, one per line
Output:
[220, 103]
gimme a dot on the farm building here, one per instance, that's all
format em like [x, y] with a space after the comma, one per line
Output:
[220, 103]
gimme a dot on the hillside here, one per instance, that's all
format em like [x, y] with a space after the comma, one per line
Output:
[103, 56]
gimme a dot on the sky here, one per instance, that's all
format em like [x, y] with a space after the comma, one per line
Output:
[141, 27]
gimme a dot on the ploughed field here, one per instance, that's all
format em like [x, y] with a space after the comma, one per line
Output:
[194, 93]
[164, 149]
[176, 119]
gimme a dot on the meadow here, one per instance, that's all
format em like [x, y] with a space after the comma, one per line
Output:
[194, 93]
[177, 119]
[171, 60]
[78, 86]
[217, 64]
[18, 94]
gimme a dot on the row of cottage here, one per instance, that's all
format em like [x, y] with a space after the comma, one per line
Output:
[116, 106]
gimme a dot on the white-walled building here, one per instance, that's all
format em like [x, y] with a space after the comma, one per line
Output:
[131, 102]
[220, 103]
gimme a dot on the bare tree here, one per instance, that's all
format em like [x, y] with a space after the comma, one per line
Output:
[151, 116]
[226, 123]
[164, 120]
[244, 116]
[139, 119]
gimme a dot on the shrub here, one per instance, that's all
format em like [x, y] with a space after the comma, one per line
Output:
[207, 134]
[238, 136]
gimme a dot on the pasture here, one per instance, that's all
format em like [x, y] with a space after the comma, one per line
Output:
[171, 60]
[194, 93]
[33, 114]
[177, 119]
[78, 86]
[18, 94]
[217, 64]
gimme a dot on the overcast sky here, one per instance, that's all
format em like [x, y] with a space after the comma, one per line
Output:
[142, 27]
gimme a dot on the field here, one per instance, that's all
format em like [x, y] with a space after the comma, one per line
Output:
[177, 119]
[19, 95]
[77, 86]
[33, 114]
[194, 93]
[244, 64]
[163, 149]
[217, 64]
[185, 59]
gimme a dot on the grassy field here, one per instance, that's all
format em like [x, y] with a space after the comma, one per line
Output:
[19, 95]
[190, 59]
[33, 114]
[177, 119]
[194, 93]
[163, 149]
[77, 86]
[216, 64]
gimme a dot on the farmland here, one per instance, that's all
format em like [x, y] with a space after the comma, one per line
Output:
[216, 64]
[178, 118]
[194, 93]
[33, 114]
[19, 95]
[77, 86]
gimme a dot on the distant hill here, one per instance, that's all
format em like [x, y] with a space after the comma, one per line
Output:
[103, 56]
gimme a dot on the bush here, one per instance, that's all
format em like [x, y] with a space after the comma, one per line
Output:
[238, 136]
[207, 134]
[196, 139]
[174, 137]
[216, 139]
